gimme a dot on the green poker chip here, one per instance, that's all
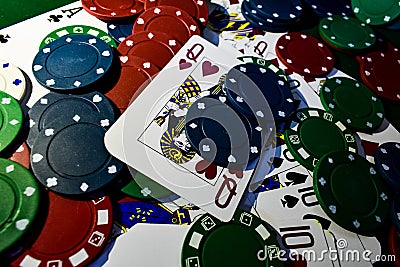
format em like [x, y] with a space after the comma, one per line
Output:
[77, 29]
[351, 192]
[11, 119]
[352, 103]
[376, 12]
[346, 33]
[318, 132]
[264, 63]
[20, 202]
[243, 241]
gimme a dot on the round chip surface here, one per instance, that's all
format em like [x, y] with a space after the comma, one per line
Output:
[113, 10]
[197, 9]
[72, 159]
[276, 10]
[77, 229]
[351, 192]
[304, 54]
[20, 202]
[85, 59]
[11, 118]
[376, 12]
[387, 160]
[379, 72]
[68, 108]
[324, 8]
[77, 29]
[337, 96]
[120, 30]
[238, 242]
[12, 80]
[318, 132]
[346, 33]
[176, 22]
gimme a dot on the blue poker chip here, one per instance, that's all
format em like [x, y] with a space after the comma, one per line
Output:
[63, 107]
[119, 30]
[387, 161]
[395, 212]
[325, 8]
[71, 158]
[72, 62]
[262, 89]
[220, 135]
[277, 11]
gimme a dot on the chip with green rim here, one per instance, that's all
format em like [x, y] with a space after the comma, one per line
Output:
[346, 33]
[318, 132]
[264, 63]
[11, 119]
[20, 202]
[78, 29]
[376, 12]
[351, 192]
[240, 242]
[337, 96]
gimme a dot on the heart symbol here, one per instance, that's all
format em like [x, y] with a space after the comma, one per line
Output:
[112, 169]
[231, 159]
[106, 53]
[208, 68]
[37, 67]
[97, 99]
[22, 224]
[183, 64]
[36, 158]
[209, 169]
[123, 59]
[140, 21]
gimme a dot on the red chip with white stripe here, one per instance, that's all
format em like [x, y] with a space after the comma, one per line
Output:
[380, 70]
[74, 233]
[304, 54]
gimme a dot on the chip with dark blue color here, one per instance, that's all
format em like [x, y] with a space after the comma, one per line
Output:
[325, 8]
[276, 10]
[387, 160]
[119, 30]
[258, 91]
[64, 107]
[72, 62]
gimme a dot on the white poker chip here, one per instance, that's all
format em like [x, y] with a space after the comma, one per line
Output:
[12, 80]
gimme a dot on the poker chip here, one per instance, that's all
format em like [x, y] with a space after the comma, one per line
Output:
[394, 244]
[346, 33]
[337, 96]
[136, 72]
[77, 229]
[22, 155]
[351, 192]
[120, 30]
[318, 132]
[395, 212]
[12, 119]
[113, 10]
[276, 10]
[379, 72]
[215, 131]
[20, 202]
[85, 60]
[197, 9]
[239, 242]
[325, 8]
[218, 17]
[77, 29]
[176, 22]
[61, 107]
[69, 157]
[156, 47]
[376, 13]
[264, 63]
[387, 159]
[274, 93]
[12, 80]
[304, 54]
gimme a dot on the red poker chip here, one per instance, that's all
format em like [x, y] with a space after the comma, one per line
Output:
[196, 8]
[174, 21]
[136, 73]
[113, 10]
[22, 155]
[304, 54]
[394, 245]
[157, 47]
[380, 70]
[73, 234]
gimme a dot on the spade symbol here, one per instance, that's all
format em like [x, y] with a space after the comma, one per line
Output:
[289, 201]
[295, 178]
